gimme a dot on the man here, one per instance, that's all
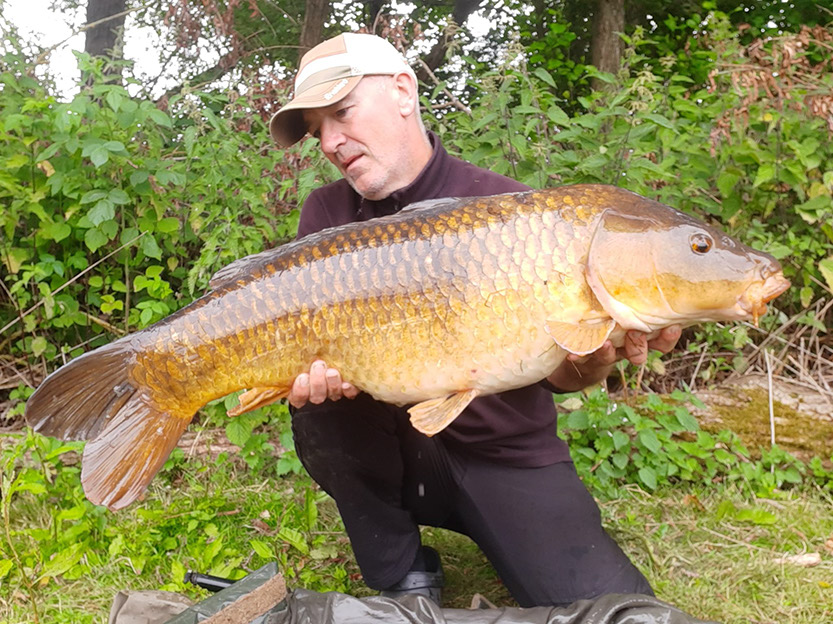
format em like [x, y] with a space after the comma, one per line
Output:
[499, 473]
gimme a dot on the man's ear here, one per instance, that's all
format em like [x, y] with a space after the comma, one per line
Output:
[406, 90]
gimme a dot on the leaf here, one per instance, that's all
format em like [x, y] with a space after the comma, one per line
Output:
[756, 516]
[168, 225]
[237, 431]
[39, 345]
[118, 197]
[766, 172]
[660, 121]
[294, 538]
[826, 269]
[544, 75]
[115, 147]
[150, 248]
[94, 239]
[5, 567]
[160, 117]
[63, 560]
[686, 419]
[93, 196]
[649, 477]
[558, 116]
[104, 210]
[114, 99]
[577, 420]
[620, 439]
[56, 231]
[262, 549]
[649, 439]
[726, 182]
[99, 156]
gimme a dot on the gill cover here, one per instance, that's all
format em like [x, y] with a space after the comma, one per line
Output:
[652, 266]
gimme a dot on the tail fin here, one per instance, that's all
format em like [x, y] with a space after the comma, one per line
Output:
[93, 397]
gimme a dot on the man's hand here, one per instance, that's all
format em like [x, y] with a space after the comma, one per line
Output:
[320, 384]
[579, 371]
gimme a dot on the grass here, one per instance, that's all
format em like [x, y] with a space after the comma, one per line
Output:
[714, 552]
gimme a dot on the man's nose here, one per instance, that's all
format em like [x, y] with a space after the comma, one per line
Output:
[330, 136]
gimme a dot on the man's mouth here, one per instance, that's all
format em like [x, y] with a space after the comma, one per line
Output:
[347, 162]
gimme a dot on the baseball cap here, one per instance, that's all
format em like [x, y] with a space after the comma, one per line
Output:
[328, 72]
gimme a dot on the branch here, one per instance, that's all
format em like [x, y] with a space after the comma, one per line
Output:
[457, 103]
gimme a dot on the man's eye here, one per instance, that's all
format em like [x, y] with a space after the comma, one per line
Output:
[341, 112]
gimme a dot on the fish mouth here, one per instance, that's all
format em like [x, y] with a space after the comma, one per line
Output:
[760, 293]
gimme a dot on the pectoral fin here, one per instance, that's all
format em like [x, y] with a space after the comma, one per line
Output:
[258, 397]
[580, 338]
[432, 416]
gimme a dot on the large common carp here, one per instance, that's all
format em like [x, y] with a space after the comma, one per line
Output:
[433, 306]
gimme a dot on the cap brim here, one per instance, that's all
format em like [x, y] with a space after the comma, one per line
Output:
[287, 126]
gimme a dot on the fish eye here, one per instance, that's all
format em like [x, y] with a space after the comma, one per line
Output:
[700, 243]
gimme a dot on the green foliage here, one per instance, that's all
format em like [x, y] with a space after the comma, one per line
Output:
[221, 516]
[709, 148]
[115, 213]
[656, 443]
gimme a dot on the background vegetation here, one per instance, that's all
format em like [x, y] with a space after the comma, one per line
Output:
[118, 204]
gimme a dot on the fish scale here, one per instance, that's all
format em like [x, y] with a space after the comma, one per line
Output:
[432, 306]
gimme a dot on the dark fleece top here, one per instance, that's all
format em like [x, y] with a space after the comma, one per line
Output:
[517, 427]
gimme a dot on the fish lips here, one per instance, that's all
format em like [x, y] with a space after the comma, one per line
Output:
[754, 299]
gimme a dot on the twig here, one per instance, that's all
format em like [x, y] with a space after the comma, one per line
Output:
[697, 368]
[103, 323]
[771, 408]
[457, 103]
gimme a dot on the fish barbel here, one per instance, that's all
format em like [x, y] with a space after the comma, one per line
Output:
[440, 303]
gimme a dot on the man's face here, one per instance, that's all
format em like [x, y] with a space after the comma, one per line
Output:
[364, 136]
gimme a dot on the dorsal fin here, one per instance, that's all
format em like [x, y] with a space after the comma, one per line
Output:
[243, 267]
[439, 202]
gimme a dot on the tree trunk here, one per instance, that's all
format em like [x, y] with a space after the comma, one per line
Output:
[606, 47]
[106, 39]
[312, 32]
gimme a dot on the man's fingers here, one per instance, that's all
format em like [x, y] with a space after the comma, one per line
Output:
[299, 393]
[667, 339]
[320, 384]
[318, 390]
[333, 379]
[636, 347]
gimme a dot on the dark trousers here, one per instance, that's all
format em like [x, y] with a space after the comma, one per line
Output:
[539, 527]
